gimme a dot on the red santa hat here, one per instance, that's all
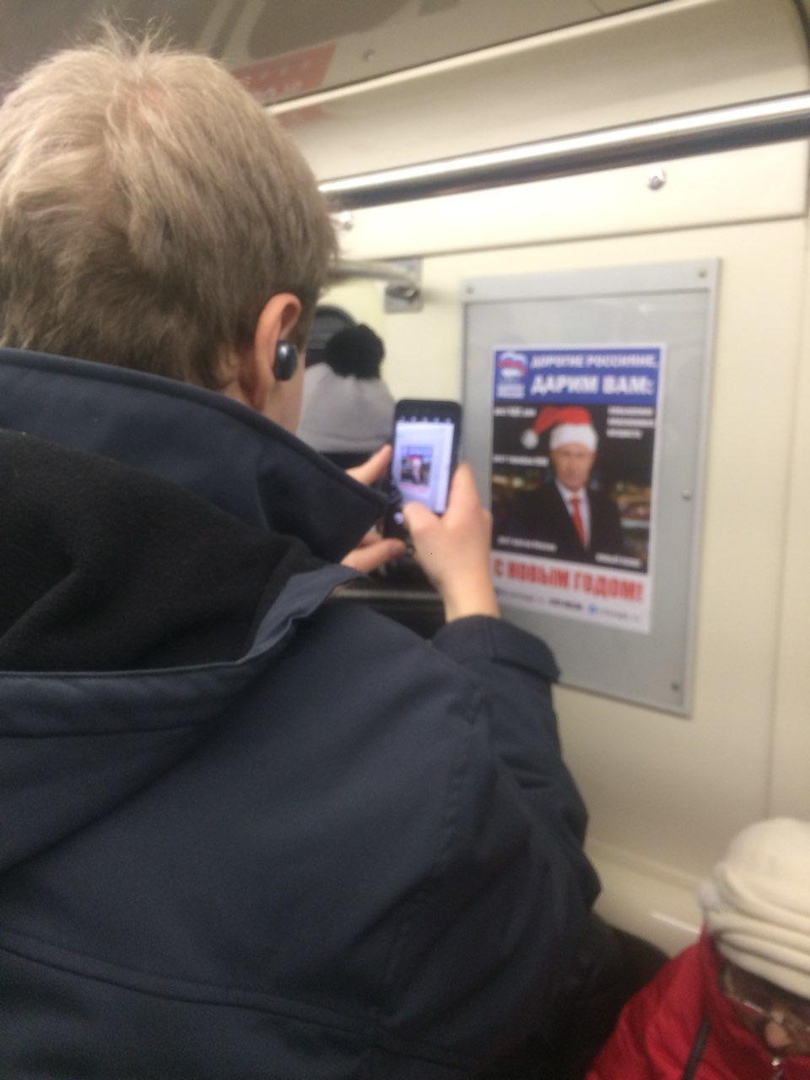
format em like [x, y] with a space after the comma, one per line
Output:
[569, 424]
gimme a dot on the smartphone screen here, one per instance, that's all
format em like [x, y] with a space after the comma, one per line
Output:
[425, 443]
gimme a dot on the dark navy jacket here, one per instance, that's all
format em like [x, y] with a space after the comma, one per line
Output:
[246, 829]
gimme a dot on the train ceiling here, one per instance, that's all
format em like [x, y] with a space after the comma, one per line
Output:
[284, 49]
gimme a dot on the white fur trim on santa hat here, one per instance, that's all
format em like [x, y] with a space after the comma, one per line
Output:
[757, 904]
[583, 434]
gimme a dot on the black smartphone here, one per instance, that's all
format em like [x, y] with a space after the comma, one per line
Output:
[425, 442]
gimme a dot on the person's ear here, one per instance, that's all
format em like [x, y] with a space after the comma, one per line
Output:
[268, 362]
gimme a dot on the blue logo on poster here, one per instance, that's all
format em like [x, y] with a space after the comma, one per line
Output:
[510, 375]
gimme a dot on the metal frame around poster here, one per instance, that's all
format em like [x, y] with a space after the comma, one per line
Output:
[671, 305]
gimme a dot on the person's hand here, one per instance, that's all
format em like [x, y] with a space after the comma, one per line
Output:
[373, 468]
[373, 550]
[453, 550]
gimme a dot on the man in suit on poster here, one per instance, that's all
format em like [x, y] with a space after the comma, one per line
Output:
[565, 514]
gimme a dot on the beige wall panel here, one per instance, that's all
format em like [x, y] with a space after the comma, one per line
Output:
[741, 185]
[362, 299]
[666, 794]
[790, 778]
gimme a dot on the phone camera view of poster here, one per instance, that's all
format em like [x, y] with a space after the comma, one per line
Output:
[424, 447]
[415, 463]
[573, 479]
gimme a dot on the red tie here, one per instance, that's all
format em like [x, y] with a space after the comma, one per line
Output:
[575, 516]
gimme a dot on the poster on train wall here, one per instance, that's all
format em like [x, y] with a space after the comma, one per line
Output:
[573, 479]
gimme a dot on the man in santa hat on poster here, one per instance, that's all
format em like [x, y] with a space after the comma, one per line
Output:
[565, 511]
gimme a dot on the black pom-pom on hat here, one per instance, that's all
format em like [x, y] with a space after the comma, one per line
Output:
[356, 350]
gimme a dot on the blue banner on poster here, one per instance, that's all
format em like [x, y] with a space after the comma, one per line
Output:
[578, 376]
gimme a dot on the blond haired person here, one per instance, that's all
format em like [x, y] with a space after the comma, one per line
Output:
[247, 830]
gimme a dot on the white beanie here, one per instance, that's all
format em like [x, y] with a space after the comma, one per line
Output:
[757, 903]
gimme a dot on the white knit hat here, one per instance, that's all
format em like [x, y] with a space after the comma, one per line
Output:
[757, 904]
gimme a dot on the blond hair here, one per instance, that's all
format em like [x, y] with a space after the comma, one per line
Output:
[149, 208]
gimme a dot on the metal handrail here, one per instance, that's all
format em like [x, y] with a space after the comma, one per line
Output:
[732, 127]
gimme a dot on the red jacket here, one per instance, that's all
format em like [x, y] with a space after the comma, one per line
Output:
[658, 1026]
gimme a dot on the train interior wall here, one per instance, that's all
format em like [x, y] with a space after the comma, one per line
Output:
[665, 793]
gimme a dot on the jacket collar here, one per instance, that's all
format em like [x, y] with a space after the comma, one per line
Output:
[211, 446]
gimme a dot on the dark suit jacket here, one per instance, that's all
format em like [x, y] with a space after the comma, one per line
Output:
[543, 515]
